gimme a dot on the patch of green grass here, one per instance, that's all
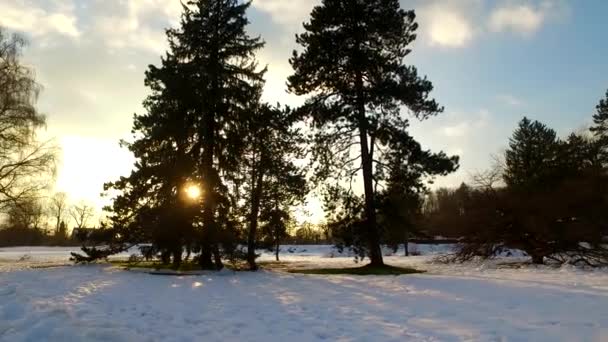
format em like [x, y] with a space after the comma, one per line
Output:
[184, 266]
[274, 265]
[364, 270]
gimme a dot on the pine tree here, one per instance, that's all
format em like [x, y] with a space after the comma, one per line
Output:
[274, 228]
[272, 181]
[151, 206]
[352, 65]
[532, 158]
[600, 128]
[553, 205]
[219, 55]
[62, 231]
[408, 166]
[190, 135]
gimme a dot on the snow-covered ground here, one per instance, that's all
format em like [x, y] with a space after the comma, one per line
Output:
[471, 302]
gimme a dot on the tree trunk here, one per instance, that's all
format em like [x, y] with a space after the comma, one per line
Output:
[188, 252]
[406, 239]
[177, 257]
[208, 235]
[253, 217]
[277, 249]
[205, 258]
[210, 229]
[373, 238]
[537, 259]
[217, 257]
[165, 257]
[57, 224]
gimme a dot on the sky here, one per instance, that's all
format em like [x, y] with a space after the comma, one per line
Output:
[491, 63]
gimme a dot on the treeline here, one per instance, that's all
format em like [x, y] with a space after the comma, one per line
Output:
[44, 221]
[546, 196]
[218, 169]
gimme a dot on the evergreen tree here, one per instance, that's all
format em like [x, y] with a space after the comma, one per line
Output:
[147, 209]
[532, 157]
[600, 128]
[189, 136]
[553, 205]
[62, 231]
[407, 167]
[272, 181]
[274, 228]
[219, 55]
[352, 64]
[581, 152]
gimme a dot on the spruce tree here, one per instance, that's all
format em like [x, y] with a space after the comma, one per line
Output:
[408, 167]
[190, 135]
[274, 229]
[600, 128]
[273, 182]
[532, 158]
[151, 205]
[352, 65]
[213, 46]
[553, 205]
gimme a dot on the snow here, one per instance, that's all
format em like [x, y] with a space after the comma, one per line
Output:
[470, 302]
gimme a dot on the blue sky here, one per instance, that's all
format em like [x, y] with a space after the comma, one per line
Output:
[491, 62]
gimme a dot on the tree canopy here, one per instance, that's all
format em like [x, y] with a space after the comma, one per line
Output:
[352, 66]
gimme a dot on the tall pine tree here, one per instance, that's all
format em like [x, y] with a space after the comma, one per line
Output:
[532, 158]
[150, 201]
[406, 170]
[190, 133]
[272, 180]
[600, 128]
[352, 65]
[214, 48]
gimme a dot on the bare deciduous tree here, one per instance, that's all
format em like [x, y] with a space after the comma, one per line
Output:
[491, 178]
[25, 163]
[58, 208]
[27, 214]
[81, 214]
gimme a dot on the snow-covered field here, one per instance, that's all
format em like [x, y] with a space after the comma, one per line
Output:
[470, 302]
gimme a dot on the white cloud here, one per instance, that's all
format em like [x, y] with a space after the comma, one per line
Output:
[122, 32]
[457, 130]
[289, 13]
[170, 8]
[510, 100]
[524, 18]
[464, 127]
[135, 24]
[521, 19]
[38, 21]
[448, 23]
[449, 29]
[455, 24]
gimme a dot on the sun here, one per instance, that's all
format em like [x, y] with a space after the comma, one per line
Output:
[193, 191]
